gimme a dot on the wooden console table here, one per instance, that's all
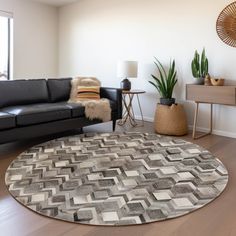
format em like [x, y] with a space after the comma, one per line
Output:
[222, 95]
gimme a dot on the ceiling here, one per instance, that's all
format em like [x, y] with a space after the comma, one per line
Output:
[56, 3]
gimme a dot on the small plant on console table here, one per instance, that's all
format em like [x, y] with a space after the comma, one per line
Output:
[199, 67]
[165, 82]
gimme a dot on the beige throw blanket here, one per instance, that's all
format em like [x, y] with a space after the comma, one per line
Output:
[94, 109]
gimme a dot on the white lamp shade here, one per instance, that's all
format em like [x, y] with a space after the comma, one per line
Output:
[127, 69]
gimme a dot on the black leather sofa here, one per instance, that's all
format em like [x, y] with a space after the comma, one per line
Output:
[34, 108]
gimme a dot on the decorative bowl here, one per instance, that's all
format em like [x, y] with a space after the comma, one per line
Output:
[217, 82]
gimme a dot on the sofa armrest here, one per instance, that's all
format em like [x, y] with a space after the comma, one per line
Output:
[115, 95]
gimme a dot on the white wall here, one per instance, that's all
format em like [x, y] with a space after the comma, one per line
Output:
[95, 34]
[35, 38]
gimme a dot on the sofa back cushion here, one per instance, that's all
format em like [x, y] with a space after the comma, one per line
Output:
[59, 89]
[21, 92]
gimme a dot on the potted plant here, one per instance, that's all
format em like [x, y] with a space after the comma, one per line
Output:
[165, 82]
[199, 67]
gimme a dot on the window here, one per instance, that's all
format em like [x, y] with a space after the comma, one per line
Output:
[6, 32]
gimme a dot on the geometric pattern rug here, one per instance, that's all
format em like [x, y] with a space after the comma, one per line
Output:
[115, 178]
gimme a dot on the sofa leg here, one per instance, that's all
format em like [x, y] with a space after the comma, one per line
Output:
[114, 125]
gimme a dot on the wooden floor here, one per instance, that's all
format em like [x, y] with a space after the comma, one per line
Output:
[216, 219]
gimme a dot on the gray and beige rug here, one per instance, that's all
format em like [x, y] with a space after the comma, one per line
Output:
[115, 179]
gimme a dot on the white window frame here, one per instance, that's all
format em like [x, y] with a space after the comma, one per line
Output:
[9, 15]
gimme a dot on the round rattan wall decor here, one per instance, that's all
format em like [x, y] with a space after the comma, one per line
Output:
[226, 25]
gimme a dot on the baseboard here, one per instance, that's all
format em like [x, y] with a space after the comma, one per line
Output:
[215, 131]
[148, 119]
[199, 129]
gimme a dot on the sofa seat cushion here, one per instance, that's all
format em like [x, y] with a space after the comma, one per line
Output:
[77, 110]
[7, 121]
[39, 113]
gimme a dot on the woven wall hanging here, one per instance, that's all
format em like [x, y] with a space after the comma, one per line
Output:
[226, 25]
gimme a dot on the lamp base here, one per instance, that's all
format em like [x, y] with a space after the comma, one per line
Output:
[125, 84]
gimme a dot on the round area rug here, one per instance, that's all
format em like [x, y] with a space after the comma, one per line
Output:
[115, 178]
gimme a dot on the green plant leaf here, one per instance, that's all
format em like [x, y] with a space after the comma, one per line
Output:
[170, 78]
[158, 85]
[197, 60]
[203, 60]
[173, 82]
[154, 85]
[166, 81]
[161, 66]
[162, 77]
[206, 66]
[195, 70]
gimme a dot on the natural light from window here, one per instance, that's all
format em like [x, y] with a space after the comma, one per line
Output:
[6, 29]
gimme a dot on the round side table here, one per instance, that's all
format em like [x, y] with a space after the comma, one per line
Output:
[128, 112]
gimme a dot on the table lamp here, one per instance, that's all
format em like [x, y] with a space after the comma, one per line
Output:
[125, 70]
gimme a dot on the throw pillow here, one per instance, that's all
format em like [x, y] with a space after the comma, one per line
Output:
[81, 81]
[88, 93]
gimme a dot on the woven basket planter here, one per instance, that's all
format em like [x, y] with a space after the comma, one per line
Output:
[171, 120]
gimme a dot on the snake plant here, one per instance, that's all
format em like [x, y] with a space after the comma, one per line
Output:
[200, 66]
[166, 81]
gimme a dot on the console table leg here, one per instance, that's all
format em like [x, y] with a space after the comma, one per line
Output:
[195, 119]
[211, 122]
[195, 122]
